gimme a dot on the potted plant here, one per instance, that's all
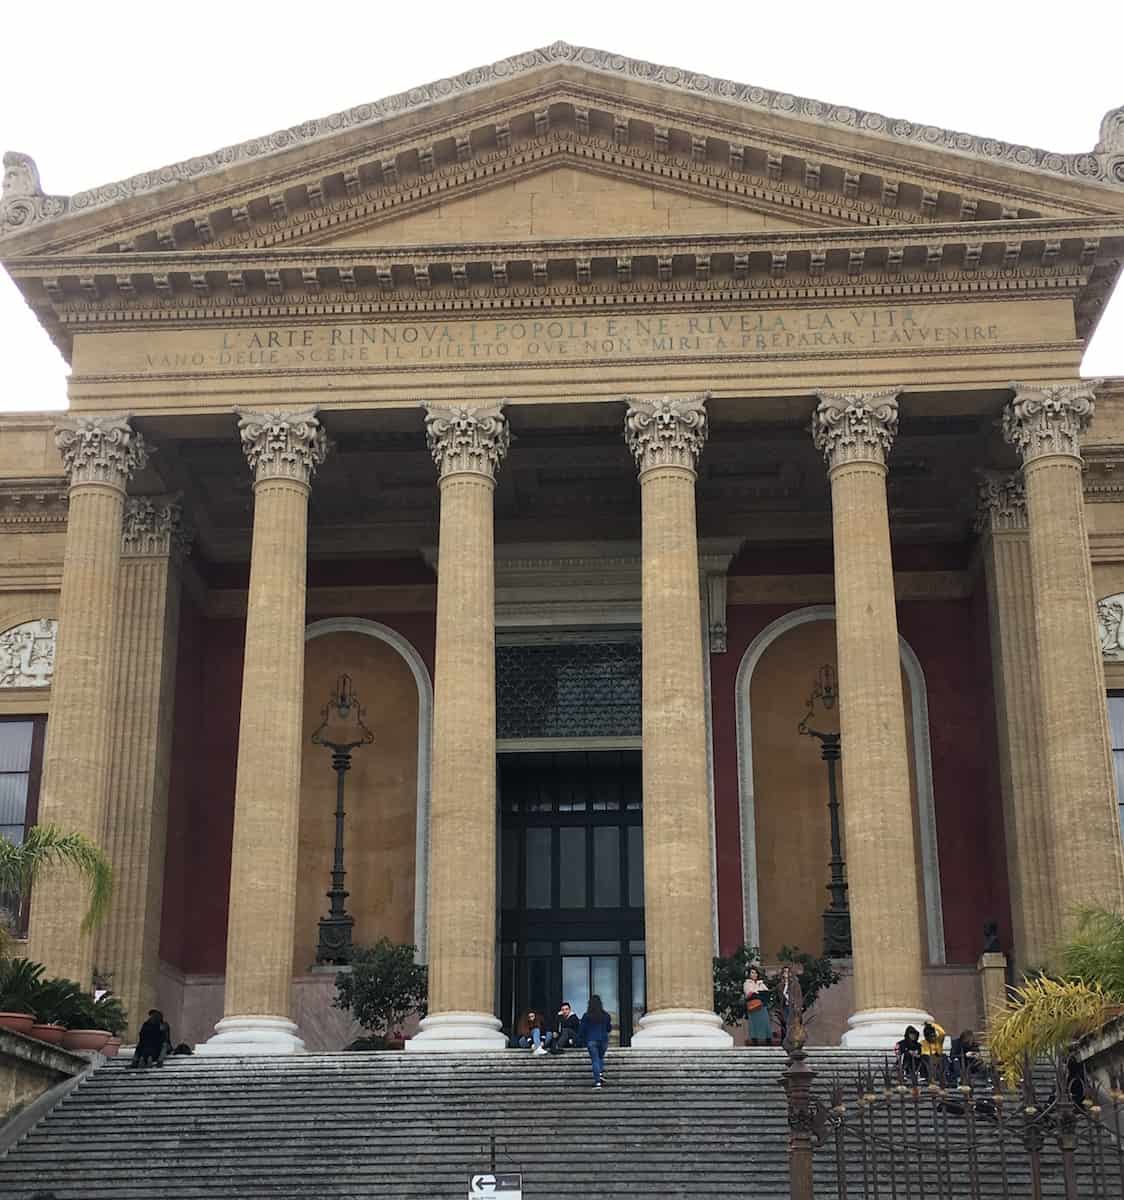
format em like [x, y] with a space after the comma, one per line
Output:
[383, 987]
[54, 1002]
[111, 1015]
[83, 1030]
[19, 980]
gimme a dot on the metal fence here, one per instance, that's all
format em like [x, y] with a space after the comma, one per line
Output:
[886, 1134]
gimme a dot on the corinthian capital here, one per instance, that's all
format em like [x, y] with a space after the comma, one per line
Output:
[100, 450]
[666, 433]
[1049, 418]
[282, 444]
[855, 426]
[468, 438]
[1001, 503]
[154, 525]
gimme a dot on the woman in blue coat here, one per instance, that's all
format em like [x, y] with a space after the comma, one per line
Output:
[595, 1028]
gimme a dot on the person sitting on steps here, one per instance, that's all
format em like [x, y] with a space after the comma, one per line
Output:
[567, 1029]
[529, 1033]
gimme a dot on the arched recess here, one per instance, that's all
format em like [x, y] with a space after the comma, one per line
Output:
[923, 766]
[425, 729]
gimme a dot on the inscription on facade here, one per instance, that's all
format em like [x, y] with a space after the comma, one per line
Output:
[535, 339]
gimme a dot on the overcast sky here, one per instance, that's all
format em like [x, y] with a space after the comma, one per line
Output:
[96, 92]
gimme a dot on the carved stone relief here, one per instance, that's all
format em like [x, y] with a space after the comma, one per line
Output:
[27, 654]
[1001, 504]
[1049, 418]
[855, 426]
[153, 525]
[282, 445]
[100, 449]
[1110, 626]
[466, 438]
[669, 432]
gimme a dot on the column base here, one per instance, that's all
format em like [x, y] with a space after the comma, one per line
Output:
[681, 1029]
[253, 1035]
[450, 1032]
[881, 1028]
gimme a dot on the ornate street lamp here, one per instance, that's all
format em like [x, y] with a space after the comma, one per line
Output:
[342, 730]
[837, 915]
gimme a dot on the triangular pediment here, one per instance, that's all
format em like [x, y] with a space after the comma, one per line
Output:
[438, 149]
[564, 201]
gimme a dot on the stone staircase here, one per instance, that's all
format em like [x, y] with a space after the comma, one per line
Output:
[416, 1127]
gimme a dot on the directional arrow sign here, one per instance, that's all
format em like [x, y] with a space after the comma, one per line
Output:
[496, 1187]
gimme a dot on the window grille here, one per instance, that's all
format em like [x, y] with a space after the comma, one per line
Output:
[588, 689]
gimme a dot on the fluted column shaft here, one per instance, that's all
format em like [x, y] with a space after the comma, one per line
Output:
[100, 455]
[143, 694]
[283, 449]
[666, 437]
[1045, 423]
[855, 432]
[468, 444]
[1002, 521]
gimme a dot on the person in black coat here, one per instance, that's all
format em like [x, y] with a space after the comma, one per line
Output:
[567, 1029]
[153, 1042]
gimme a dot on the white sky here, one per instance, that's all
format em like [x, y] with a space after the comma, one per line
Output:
[96, 92]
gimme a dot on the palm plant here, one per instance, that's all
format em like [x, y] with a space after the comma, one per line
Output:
[46, 847]
[1044, 1016]
[56, 1000]
[19, 982]
[1095, 950]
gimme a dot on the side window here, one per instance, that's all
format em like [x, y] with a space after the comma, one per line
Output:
[1116, 733]
[21, 756]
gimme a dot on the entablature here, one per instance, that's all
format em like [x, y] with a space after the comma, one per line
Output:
[1077, 259]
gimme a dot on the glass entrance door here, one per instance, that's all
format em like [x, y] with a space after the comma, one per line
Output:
[572, 885]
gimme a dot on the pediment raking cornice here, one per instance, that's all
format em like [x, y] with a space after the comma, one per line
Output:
[25, 205]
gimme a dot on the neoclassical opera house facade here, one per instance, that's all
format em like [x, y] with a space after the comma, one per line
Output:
[611, 427]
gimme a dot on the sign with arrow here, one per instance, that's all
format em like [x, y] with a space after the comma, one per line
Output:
[496, 1187]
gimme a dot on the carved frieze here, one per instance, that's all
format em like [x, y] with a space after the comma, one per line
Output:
[154, 525]
[282, 444]
[100, 449]
[466, 438]
[27, 654]
[855, 426]
[1110, 626]
[667, 432]
[1049, 418]
[22, 200]
[1001, 503]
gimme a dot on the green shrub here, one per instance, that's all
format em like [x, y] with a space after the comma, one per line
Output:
[111, 1014]
[19, 981]
[1094, 951]
[383, 987]
[55, 1001]
[815, 974]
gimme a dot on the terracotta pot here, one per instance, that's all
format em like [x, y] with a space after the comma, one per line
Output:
[17, 1022]
[52, 1034]
[85, 1039]
[111, 1047]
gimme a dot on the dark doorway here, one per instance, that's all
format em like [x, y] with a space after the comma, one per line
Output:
[572, 884]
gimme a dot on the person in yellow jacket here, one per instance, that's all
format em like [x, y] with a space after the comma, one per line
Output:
[932, 1052]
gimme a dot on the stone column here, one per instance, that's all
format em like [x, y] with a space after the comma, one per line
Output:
[468, 443]
[283, 448]
[855, 431]
[1005, 543]
[100, 455]
[1044, 423]
[143, 695]
[666, 437]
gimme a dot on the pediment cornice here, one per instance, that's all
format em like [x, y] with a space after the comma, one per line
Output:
[854, 165]
[1078, 259]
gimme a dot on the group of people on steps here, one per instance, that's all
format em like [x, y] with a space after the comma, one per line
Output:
[591, 1031]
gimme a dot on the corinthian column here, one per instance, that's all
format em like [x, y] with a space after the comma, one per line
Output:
[854, 431]
[1044, 423]
[1002, 523]
[143, 692]
[100, 455]
[283, 448]
[666, 437]
[468, 444]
